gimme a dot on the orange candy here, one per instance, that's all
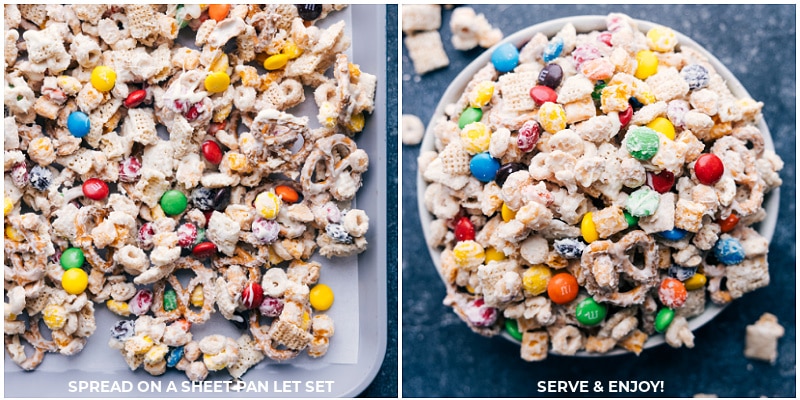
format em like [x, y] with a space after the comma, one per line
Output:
[218, 12]
[287, 194]
[562, 288]
[727, 224]
[672, 293]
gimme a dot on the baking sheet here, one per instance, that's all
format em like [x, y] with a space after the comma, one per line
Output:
[359, 284]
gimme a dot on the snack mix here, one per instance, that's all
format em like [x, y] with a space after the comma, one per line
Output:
[235, 195]
[591, 190]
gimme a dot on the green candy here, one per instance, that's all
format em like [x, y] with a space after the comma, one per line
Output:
[642, 142]
[598, 90]
[643, 202]
[173, 202]
[469, 116]
[72, 258]
[589, 312]
[513, 329]
[663, 319]
[630, 219]
[170, 300]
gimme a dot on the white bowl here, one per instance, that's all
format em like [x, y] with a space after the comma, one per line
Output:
[583, 24]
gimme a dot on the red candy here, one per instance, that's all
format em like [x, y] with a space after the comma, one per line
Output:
[661, 182]
[205, 249]
[625, 116]
[727, 224]
[145, 236]
[252, 295]
[542, 94]
[135, 98]
[130, 170]
[605, 37]
[465, 230]
[193, 112]
[708, 168]
[584, 53]
[187, 234]
[479, 314]
[215, 127]
[271, 307]
[141, 302]
[95, 189]
[672, 293]
[212, 152]
[19, 175]
[528, 136]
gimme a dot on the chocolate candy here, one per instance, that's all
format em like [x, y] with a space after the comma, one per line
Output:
[252, 295]
[72, 258]
[40, 178]
[708, 169]
[211, 151]
[95, 189]
[553, 49]
[479, 314]
[505, 57]
[673, 234]
[187, 234]
[170, 300]
[589, 312]
[205, 249]
[130, 170]
[663, 319]
[464, 229]
[643, 202]
[468, 116]
[135, 98]
[271, 307]
[203, 198]
[550, 76]
[338, 233]
[696, 76]
[642, 143]
[78, 124]
[173, 202]
[542, 94]
[507, 169]
[484, 167]
[661, 182]
[681, 273]
[729, 251]
[221, 199]
[569, 247]
[122, 329]
[528, 135]
[309, 12]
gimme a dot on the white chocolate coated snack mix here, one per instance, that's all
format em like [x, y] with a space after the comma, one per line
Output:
[593, 189]
[235, 194]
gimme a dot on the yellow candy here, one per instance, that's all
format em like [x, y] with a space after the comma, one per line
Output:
[118, 307]
[507, 213]
[13, 234]
[217, 82]
[103, 78]
[356, 123]
[354, 70]
[55, 316]
[494, 255]
[661, 39]
[306, 321]
[268, 204]
[197, 298]
[588, 230]
[468, 253]
[646, 64]
[140, 344]
[156, 353]
[321, 297]
[697, 281]
[475, 138]
[8, 205]
[535, 279]
[663, 125]
[74, 281]
[552, 117]
[327, 114]
[481, 94]
[291, 50]
[275, 61]
[470, 289]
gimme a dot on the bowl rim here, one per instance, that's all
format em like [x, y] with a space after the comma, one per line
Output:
[584, 24]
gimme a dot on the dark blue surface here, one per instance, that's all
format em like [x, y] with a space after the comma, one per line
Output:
[443, 358]
[385, 383]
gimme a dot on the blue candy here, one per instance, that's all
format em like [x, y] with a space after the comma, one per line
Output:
[40, 178]
[681, 273]
[484, 167]
[553, 49]
[569, 247]
[729, 251]
[174, 356]
[122, 330]
[505, 58]
[673, 234]
[78, 124]
[696, 76]
[338, 233]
